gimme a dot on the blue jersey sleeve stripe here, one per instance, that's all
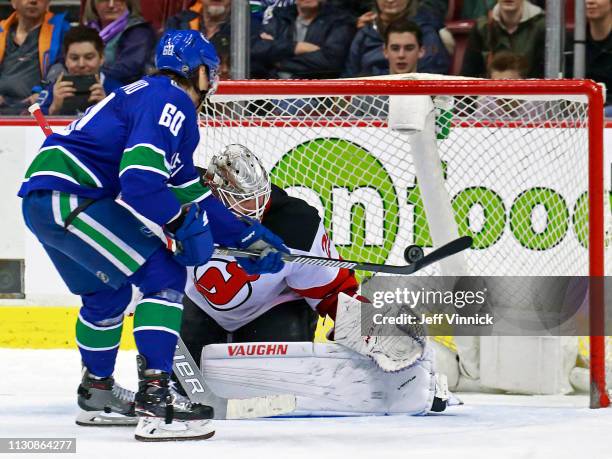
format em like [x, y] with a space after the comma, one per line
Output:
[58, 159]
[186, 184]
[148, 149]
[144, 168]
[202, 197]
[190, 191]
[144, 157]
[80, 163]
[149, 146]
[54, 174]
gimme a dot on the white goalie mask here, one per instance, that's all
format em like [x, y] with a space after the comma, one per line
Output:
[238, 178]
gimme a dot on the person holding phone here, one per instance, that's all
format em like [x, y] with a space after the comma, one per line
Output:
[78, 82]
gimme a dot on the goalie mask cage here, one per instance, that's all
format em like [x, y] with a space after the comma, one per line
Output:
[517, 165]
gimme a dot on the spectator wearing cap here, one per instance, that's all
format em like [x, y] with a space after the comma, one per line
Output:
[30, 42]
[128, 38]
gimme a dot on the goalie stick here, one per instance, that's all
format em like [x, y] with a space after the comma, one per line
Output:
[440, 253]
[198, 391]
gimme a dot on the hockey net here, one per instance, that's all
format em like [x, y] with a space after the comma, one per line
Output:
[520, 165]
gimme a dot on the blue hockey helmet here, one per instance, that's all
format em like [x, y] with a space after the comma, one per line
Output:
[183, 51]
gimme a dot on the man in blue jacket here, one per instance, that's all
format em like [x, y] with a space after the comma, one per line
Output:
[307, 40]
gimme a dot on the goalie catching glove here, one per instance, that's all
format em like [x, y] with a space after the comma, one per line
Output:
[189, 237]
[391, 353]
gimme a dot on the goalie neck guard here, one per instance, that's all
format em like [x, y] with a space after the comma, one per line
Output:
[238, 178]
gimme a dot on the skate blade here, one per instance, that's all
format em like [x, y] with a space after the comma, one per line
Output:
[102, 419]
[156, 430]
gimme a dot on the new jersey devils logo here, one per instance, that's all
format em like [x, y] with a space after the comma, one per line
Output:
[223, 283]
[326, 245]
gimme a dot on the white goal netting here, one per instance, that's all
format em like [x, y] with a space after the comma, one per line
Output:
[515, 172]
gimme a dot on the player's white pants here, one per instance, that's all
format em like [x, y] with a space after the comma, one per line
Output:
[328, 379]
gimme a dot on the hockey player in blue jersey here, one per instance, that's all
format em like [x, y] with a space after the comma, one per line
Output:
[99, 196]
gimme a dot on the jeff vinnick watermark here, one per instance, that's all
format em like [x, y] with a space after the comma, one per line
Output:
[412, 300]
[481, 305]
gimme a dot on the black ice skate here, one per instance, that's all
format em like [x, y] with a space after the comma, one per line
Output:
[103, 402]
[163, 414]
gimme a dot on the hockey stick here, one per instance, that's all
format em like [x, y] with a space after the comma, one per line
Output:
[446, 250]
[198, 391]
[37, 113]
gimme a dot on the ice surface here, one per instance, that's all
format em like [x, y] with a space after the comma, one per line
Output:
[38, 399]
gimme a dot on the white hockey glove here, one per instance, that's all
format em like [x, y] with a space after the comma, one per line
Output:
[391, 353]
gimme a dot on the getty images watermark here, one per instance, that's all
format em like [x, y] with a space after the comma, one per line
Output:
[484, 306]
[409, 299]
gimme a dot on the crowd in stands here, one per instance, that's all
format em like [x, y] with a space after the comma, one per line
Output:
[45, 58]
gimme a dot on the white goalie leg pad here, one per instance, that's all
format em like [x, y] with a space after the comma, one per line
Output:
[156, 429]
[391, 353]
[411, 386]
[327, 379]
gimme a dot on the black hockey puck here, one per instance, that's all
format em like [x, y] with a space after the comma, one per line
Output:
[413, 253]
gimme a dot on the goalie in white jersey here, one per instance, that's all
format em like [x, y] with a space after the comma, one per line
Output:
[279, 307]
[224, 304]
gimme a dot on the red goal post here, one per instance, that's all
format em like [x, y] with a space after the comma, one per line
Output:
[288, 105]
